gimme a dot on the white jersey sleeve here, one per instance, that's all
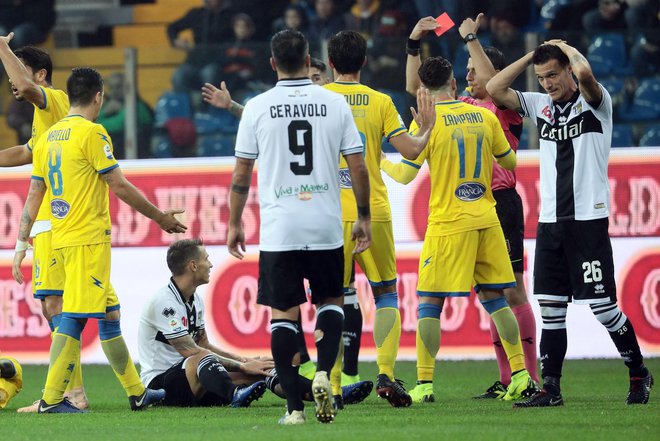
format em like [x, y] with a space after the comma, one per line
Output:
[604, 109]
[351, 143]
[530, 103]
[246, 139]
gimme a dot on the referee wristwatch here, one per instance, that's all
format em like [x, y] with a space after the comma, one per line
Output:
[469, 37]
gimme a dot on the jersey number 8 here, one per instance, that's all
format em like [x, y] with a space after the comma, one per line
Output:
[54, 164]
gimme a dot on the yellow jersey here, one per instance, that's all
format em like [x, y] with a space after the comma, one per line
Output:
[70, 159]
[460, 155]
[56, 106]
[375, 117]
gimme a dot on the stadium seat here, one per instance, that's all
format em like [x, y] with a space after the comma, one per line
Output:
[607, 55]
[651, 137]
[622, 136]
[645, 105]
[524, 139]
[161, 147]
[215, 121]
[218, 145]
[172, 105]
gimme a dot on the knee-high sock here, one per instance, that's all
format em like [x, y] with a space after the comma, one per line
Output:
[214, 378]
[387, 332]
[427, 340]
[302, 345]
[507, 328]
[500, 354]
[622, 334]
[335, 374]
[352, 332]
[304, 386]
[282, 334]
[76, 380]
[64, 353]
[115, 350]
[553, 342]
[329, 326]
[527, 326]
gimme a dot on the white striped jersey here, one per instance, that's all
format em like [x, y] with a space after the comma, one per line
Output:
[298, 130]
[166, 316]
[575, 141]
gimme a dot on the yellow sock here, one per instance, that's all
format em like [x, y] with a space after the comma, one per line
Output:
[507, 328]
[117, 354]
[427, 344]
[335, 373]
[387, 332]
[8, 390]
[64, 353]
[76, 381]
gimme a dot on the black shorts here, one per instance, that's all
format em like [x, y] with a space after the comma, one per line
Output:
[281, 275]
[573, 261]
[510, 212]
[178, 392]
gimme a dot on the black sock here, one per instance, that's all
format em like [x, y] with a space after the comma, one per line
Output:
[553, 351]
[352, 336]
[304, 386]
[300, 339]
[283, 332]
[214, 378]
[625, 341]
[330, 321]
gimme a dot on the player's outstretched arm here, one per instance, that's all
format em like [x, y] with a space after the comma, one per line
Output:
[483, 68]
[360, 180]
[414, 61]
[410, 147]
[18, 74]
[240, 188]
[499, 87]
[32, 203]
[15, 156]
[128, 193]
[221, 98]
[403, 172]
[582, 69]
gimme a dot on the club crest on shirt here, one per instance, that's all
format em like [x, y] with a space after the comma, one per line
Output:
[345, 178]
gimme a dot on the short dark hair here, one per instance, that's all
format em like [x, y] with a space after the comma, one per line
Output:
[435, 73]
[318, 64]
[347, 51]
[496, 57]
[37, 59]
[180, 253]
[289, 49]
[83, 85]
[547, 52]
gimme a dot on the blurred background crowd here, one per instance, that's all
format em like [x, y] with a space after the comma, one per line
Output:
[156, 54]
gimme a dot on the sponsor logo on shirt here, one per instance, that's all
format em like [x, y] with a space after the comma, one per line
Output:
[304, 192]
[470, 191]
[59, 208]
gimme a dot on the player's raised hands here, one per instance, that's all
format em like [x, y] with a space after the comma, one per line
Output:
[425, 114]
[220, 98]
[236, 241]
[470, 26]
[6, 39]
[423, 27]
[169, 223]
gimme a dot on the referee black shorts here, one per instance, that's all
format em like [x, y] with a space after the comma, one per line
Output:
[510, 212]
[281, 275]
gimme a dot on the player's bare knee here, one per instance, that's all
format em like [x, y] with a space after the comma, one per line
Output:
[52, 306]
[437, 301]
[490, 294]
[113, 315]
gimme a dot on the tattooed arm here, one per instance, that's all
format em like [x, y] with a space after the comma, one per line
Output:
[35, 197]
[580, 66]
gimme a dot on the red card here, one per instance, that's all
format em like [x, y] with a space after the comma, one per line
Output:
[445, 24]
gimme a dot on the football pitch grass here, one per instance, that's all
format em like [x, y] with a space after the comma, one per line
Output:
[594, 393]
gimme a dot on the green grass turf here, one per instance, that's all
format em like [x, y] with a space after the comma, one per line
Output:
[594, 392]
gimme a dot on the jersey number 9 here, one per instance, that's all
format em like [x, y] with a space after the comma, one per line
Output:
[300, 143]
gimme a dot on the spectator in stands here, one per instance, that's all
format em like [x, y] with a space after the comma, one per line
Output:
[645, 54]
[608, 16]
[364, 17]
[30, 20]
[239, 59]
[113, 118]
[327, 21]
[294, 18]
[386, 69]
[562, 15]
[19, 118]
[506, 36]
[211, 25]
